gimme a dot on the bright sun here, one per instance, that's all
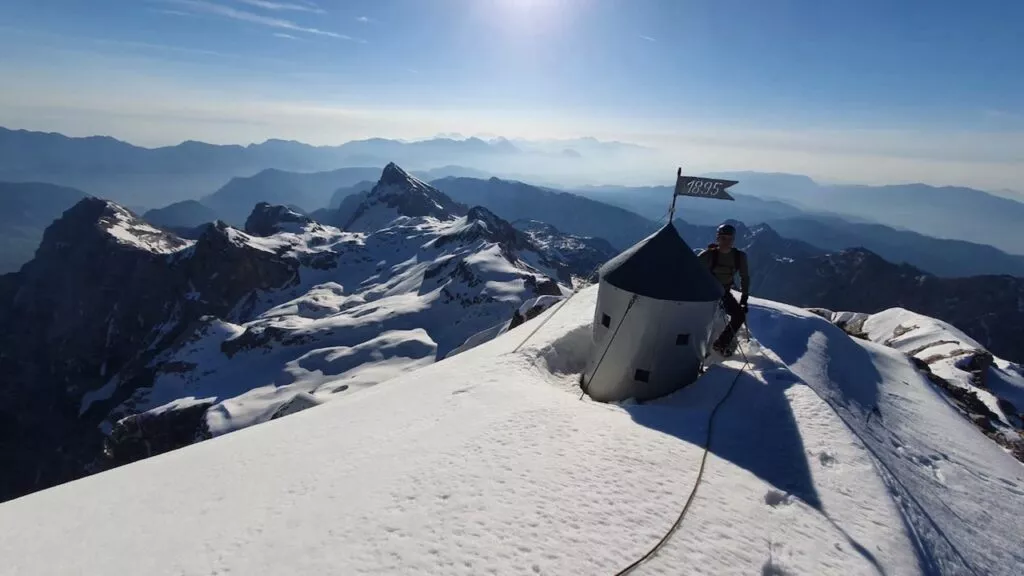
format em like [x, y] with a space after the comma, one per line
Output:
[534, 12]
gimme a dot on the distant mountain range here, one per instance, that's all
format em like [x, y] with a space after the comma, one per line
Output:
[947, 258]
[308, 191]
[111, 168]
[943, 212]
[617, 214]
[988, 308]
[568, 212]
[822, 227]
[184, 214]
[26, 209]
[151, 178]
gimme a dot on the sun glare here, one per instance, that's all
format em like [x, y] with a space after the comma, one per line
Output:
[528, 17]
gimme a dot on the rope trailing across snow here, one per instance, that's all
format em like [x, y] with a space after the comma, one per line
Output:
[586, 283]
[710, 425]
[700, 476]
[545, 321]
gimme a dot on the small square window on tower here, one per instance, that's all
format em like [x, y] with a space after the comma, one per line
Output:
[606, 320]
[682, 339]
[642, 376]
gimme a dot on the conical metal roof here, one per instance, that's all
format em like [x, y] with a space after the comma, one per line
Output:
[662, 266]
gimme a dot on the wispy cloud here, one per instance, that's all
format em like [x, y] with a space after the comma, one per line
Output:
[285, 6]
[241, 15]
[171, 12]
[160, 47]
[648, 38]
[363, 19]
[997, 114]
[283, 35]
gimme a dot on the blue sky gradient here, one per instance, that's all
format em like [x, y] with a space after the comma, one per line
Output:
[921, 90]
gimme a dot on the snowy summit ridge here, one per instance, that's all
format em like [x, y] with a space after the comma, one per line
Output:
[828, 455]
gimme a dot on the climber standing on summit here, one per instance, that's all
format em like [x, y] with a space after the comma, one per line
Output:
[724, 260]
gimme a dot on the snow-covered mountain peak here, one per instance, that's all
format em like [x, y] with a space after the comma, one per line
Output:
[115, 224]
[485, 217]
[394, 175]
[481, 222]
[398, 194]
[762, 232]
[267, 220]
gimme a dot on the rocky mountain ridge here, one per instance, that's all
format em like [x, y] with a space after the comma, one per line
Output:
[178, 340]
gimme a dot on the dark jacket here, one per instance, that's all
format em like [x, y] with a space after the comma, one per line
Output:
[725, 265]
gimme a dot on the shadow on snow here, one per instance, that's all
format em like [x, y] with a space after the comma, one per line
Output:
[755, 428]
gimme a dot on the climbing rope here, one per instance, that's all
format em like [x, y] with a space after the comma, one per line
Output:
[700, 475]
[543, 322]
[585, 283]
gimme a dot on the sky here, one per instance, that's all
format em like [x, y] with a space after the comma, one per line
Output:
[870, 91]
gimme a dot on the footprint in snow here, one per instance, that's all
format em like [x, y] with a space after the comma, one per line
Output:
[827, 460]
[932, 464]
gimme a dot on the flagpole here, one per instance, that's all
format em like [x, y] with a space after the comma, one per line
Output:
[672, 208]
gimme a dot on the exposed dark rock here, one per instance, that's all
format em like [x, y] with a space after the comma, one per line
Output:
[983, 422]
[1009, 408]
[978, 363]
[297, 404]
[920, 364]
[985, 307]
[69, 330]
[826, 314]
[267, 220]
[155, 432]
[517, 319]
[407, 196]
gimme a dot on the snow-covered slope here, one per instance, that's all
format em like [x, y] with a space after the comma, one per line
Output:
[367, 307]
[828, 455]
[987, 389]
